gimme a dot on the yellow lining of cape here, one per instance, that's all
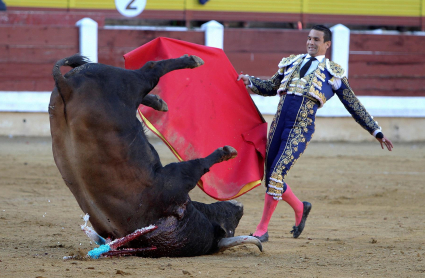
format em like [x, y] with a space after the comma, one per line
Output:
[247, 187]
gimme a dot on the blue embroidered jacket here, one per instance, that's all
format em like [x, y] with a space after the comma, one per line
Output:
[318, 85]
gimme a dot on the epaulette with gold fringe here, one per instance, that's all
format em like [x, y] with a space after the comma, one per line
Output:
[289, 60]
[334, 69]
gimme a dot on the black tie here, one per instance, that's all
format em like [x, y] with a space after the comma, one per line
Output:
[305, 68]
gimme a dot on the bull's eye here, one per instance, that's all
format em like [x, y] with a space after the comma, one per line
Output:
[230, 232]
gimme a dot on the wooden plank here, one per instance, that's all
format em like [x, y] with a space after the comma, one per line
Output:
[113, 56]
[265, 40]
[387, 83]
[404, 65]
[27, 85]
[262, 65]
[13, 85]
[386, 69]
[390, 59]
[28, 54]
[134, 38]
[113, 44]
[392, 93]
[39, 35]
[50, 18]
[44, 85]
[387, 43]
[21, 71]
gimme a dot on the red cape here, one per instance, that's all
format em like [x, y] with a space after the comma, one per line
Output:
[208, 109]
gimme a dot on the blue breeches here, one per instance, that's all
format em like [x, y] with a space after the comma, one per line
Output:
[290, 132]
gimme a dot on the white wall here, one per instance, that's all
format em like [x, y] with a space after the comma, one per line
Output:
[401, 118]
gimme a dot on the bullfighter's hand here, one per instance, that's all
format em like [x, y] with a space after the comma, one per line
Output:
[245, 79]
[385, 141]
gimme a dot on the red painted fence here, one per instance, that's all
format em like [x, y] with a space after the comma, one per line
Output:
[391, 65]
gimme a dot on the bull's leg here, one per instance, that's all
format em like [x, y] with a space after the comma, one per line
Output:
[199, 167]
[219, 155]
[190, 172]
[155, 102]
[153, 70]
[165, 66]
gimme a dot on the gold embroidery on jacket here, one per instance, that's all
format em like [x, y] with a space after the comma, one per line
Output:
[317, 83]
[359, 110]
[334, 69]
[318, 95]
[291, 74]
[298, 86]
[270, 85]
[320, 75]
[289, 60]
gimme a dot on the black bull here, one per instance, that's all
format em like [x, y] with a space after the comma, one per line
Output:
[116, 175]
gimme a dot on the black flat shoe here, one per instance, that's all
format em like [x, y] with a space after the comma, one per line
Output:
[297, 230]
[262, 238]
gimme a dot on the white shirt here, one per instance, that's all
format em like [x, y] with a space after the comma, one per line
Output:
[336, 84]
[314, 64]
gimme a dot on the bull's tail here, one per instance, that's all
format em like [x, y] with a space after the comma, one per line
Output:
[61, 83]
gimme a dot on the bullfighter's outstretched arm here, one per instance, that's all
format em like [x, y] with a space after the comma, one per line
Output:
[262, 87]
[360, 114]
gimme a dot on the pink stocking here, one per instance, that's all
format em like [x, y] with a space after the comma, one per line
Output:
[269, 207]
[298, 206]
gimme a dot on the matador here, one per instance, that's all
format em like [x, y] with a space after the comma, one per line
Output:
[305, 83]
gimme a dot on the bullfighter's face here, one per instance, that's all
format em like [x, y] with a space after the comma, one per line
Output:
[316, 44]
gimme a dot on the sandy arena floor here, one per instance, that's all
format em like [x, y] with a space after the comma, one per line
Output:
[367, 219]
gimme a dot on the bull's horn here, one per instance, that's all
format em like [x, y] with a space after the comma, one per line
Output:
[229, 242]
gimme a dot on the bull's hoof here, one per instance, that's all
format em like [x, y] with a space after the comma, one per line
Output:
[195, 61]
[199, 62]
[155, 102]
[159, 104]
[228, 153]
[164, 106]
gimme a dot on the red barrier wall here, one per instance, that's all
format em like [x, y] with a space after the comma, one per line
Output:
[28, 53]
[392, 65]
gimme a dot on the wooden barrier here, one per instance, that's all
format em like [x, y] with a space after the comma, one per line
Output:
[28, 53]
[379, 65]
[390, 65]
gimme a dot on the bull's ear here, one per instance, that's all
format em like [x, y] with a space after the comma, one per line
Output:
[219, 232]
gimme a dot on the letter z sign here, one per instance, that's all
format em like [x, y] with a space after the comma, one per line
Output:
[130, 8]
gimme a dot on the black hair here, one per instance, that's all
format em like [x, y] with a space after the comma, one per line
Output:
[327, 34]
